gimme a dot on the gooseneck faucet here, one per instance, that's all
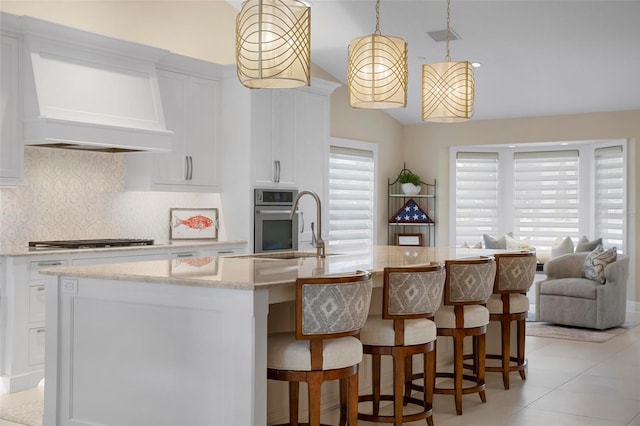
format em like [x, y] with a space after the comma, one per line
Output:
[316, 239]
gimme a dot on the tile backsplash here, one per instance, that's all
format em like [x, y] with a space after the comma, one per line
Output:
[75, 194]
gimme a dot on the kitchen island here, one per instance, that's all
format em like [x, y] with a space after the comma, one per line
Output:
[181, 341]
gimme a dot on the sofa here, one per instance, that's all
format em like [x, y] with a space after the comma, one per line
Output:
[566, 297]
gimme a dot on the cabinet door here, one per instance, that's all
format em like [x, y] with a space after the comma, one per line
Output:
[202, 138]
[11, 159]
[274, 138]
[171, 167]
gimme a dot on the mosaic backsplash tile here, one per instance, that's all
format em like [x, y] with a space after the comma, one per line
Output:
[75, 194]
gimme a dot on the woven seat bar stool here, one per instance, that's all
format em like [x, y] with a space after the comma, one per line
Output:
[515, 273]
[410, 297]
[329, 313]
[468, 285]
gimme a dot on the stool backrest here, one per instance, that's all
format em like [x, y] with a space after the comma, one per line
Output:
[412, 292]
[332, 306]
[515, 272]
[469, 281]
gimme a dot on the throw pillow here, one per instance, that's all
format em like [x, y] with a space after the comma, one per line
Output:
[513, 244]
[596, 261]
[562, 246]
[496, 244]
[477, 245]
[585, 245]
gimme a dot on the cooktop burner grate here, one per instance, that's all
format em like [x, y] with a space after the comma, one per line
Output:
[74, 244]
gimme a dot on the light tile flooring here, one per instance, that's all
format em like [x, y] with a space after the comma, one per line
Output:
[569, 383]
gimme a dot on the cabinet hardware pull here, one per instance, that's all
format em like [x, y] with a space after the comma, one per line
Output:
[274, 212]
[302, 217]
[225, 252]
[190, 168]
[40, 288]
[52, 263]
[185, 255]
[278, 169]
[186, 167]
[40, 330]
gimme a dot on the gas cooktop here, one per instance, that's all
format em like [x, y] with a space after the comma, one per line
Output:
[78, 244]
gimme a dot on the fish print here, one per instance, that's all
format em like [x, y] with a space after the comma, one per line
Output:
[198, 222]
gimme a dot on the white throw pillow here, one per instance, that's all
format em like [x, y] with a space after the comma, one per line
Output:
[562, 246]
[513, 244]
[596, 261]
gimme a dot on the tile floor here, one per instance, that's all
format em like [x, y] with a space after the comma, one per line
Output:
[569, 383]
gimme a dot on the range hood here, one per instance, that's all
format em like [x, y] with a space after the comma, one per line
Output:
[89, 92]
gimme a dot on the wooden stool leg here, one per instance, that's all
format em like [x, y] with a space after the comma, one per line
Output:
[398, 385]
[505, 326]
[353, 400]
[521, 324]
[315, 384]
[408, 373]
[429, 380]
[458, 354]
[482, 351]
[294, 395]
[375, 366]
[344, 397]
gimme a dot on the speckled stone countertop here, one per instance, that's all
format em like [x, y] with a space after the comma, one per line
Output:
[23, 250]
[249, 272]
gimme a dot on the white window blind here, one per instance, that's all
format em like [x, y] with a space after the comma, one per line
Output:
[351, 200]
[476, 196]
[546, 196]
[609, 196]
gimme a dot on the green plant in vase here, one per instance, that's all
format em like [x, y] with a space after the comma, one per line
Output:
[410, 182]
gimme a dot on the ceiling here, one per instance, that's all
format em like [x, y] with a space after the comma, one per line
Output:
[538, 57]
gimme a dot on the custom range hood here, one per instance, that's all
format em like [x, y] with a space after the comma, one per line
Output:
[89, 92]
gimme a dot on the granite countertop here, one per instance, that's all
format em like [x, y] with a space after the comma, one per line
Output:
[249, 272]
[24, 250]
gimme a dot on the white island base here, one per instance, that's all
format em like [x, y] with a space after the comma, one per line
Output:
[137, 353]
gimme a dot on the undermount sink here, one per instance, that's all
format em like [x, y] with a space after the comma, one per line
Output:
[287, 255]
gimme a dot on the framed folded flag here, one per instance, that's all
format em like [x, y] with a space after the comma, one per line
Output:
[411, 212]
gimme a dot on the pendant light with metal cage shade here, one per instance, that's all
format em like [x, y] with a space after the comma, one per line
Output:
[448, 88]
[377, 70]
[273, 44]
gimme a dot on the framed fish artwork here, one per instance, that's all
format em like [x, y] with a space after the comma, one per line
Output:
[193, 224]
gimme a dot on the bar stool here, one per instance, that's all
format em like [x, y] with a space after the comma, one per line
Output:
[468, 285]
[410, 297]
[514, 275]
[330, 311]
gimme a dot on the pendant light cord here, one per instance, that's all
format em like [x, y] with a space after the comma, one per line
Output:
[448, 57]
[377, 17]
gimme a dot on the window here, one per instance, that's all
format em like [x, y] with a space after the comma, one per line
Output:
[476, 196]
[546, 196]
[351, 200]
[609, 196]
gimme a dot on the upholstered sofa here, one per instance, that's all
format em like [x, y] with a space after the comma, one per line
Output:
[566, 297]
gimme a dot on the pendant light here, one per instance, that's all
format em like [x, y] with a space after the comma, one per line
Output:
[377, 70]
[448, 88]
[273, 44]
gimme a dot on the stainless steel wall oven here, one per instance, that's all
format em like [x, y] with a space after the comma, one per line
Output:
[274, 228]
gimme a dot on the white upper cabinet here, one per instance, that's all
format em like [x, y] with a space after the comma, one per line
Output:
[11, 148]
[190, 91]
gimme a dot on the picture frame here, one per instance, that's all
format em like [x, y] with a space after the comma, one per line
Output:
[193, 224]
[409, 239]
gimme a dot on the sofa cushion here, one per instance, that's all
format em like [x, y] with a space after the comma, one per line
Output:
[596, 261]
[562, 246]
[496, 244]
[570, 287]
[585, 245]
[523, 244]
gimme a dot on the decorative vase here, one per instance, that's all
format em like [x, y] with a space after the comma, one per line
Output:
[411, 189]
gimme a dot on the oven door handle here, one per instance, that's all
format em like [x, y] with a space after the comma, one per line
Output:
[275, 212]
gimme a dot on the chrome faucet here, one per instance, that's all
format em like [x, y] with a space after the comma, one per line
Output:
[316, 239]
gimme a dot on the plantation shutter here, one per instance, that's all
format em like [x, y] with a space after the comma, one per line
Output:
[351, 200]
[476, 196]
[609, 196]
[546, 196]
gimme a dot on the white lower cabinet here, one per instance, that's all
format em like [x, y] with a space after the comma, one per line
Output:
[22, 302]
